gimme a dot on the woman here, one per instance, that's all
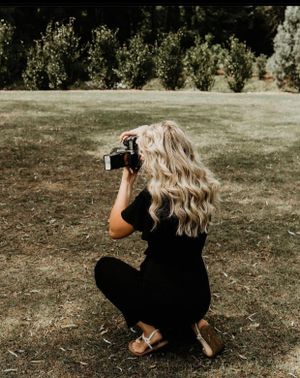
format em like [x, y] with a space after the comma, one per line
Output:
[173, 212]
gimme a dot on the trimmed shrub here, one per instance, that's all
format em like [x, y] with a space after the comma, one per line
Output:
[285, 63]
[261, 64]
[296, 54]
[6, 53]
[169, 62]
[238, 65]
[51, 61]
[102, 58]
[218, 52]
[136, 63]
[35, 75]
[201, 65]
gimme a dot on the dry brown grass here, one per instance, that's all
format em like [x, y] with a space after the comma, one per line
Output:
[54, 204]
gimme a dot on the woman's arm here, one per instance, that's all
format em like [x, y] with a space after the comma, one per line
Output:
[118, 228]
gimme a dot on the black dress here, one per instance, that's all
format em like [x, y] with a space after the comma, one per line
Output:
[171, 288]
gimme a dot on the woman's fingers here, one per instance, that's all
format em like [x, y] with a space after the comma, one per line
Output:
[126, 134]
[137, 131]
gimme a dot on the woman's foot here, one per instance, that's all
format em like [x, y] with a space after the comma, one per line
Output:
[139, 345]
[208, 337]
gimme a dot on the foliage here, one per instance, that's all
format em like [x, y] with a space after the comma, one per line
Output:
[201, 64]
[102, 57]
[255, 24]
[35, 75]
[169, 61]
[238, 65]
[285, 62]
[261, 64]
[52, 60]
[136, 63]
[218, 52]
[6, 52]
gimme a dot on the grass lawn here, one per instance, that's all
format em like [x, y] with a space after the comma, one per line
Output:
[54, 205]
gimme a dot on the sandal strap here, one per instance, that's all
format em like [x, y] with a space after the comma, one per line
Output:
[197, 330]
[199, 336]
[147, 339]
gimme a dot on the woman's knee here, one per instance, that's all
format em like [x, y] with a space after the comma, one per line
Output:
[102, 269]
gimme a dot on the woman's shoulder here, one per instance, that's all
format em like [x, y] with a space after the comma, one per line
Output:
[143, 195]
[145, 192]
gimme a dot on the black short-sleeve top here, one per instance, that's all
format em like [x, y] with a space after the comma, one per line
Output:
[163, 243]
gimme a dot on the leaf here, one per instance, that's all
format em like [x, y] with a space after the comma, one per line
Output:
[107, 341]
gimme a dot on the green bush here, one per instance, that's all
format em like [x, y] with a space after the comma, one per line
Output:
[238, 65]
[261, 64]
[51, 62]
[169, 62]
[6, 53]
[136, 63]
[35, 75]
[102, 58]
[201, 64]
[218, 52]
[285, 62]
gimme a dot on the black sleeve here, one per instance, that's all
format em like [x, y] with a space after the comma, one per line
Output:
[136, 212]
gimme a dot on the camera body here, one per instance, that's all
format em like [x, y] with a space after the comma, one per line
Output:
[123, 156]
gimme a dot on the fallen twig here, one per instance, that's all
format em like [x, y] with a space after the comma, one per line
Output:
[107, 341]
[13, 353]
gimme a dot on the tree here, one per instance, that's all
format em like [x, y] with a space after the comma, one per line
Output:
[261, 64]
[102, 57]
[52, 59]
[136, 64]
[6, 52]
[201, 65]
[169, 62]
[238, 65]
[285, 63]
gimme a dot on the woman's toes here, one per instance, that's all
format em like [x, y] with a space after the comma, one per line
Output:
[138, 346]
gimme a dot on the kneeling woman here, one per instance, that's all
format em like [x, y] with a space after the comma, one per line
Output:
[173, 212]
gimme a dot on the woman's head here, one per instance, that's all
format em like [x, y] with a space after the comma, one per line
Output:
[164, 144]
[175, 171]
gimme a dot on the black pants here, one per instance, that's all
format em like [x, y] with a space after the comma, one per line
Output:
[149, 294]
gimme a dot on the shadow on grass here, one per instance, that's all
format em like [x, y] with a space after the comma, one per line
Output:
[246, 342]
[97, 347]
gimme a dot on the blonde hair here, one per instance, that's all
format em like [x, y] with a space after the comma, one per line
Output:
[176, 172]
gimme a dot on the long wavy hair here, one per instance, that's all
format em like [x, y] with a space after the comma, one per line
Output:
[175, 171]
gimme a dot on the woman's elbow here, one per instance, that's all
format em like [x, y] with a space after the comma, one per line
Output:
[114, 234]
[120, 229]
[120, 233]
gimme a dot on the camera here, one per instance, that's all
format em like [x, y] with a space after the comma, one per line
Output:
[127, 155]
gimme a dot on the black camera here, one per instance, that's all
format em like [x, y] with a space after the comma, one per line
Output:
[123, 156]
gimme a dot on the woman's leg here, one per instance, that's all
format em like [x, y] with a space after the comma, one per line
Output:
[121, 284]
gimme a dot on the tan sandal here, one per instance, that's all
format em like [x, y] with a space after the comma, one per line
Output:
[209, 339]
[151, 348]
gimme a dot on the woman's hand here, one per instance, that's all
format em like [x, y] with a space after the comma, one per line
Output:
[129, 175]
[126, 134]
[133, 132]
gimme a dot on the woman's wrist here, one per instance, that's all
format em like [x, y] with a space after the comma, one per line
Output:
[128, 177]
